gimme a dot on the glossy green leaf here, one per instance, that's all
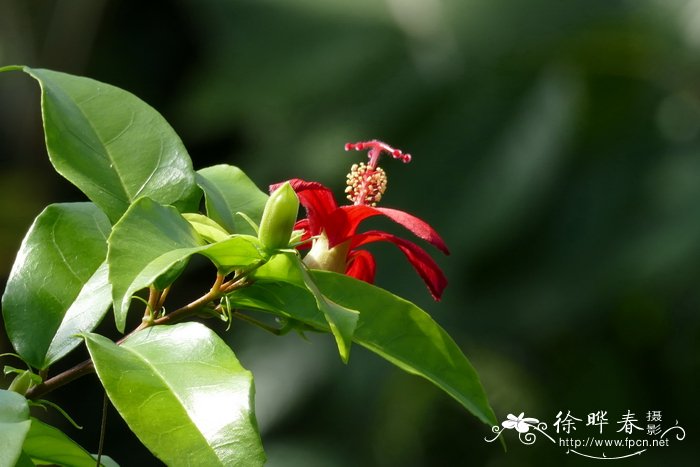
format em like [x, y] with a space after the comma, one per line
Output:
[112, 145]
[84, 314]
[147, 233]
[46, 444]
[182, 391]
[341, 320]
[227, 190]
[14, 425]
[287, 269]
[57, 287]
[388, 325]
[236, 252]
[206, 227]
[168, 277]
[151, 239]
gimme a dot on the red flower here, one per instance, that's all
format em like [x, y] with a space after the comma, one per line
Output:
[337, 242]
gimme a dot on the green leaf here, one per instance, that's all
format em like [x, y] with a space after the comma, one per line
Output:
[288, 268]
[147, 233]
[206, 227]
[84, 314]
[227, 190]
[57, 287]
[236, 252]
[168, 277]
[14, 425]
[184, 394]
[342, 320]
[388, 325]
[150, 239]
[49, 445]
[112, 145]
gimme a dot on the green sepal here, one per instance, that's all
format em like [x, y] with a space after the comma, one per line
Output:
[24, 381]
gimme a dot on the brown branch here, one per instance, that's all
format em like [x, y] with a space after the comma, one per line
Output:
[163, 296]
[86, 367]
[81, 369]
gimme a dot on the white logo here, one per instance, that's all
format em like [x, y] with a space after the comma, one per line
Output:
[589, 440]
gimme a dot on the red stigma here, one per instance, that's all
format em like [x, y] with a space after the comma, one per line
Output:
[375, 148]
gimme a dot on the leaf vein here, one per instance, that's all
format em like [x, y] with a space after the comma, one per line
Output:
[59, 251]
[153, 172]
[122, 132]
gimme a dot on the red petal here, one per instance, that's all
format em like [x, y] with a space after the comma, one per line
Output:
[426, 267]
[343, 222]
[352, 216]
[318, 201]
[419, 227]
[361, 265]
[303, 224]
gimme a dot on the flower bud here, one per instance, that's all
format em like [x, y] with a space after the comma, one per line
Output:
[279, 217]
[23, 381]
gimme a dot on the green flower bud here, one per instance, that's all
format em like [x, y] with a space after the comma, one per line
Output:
[23, 381]
[278, 218]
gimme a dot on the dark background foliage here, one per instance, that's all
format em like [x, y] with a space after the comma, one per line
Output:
[556, 147]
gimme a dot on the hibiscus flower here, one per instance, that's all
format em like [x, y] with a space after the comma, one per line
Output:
[334, 229]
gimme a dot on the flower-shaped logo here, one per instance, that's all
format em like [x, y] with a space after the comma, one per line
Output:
[520, 423]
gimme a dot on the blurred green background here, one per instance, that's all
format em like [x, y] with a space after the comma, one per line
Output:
[556, 148]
